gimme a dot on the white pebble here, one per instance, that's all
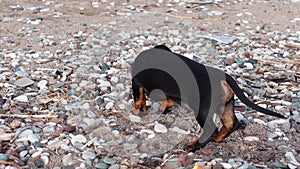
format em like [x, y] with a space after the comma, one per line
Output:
[226, 165]
[160, 128]
[45, 159]
[114, 80]
[36, 154]
[251, 138]
[134, 118]
[259, 121]
[22, 98]
[248, 66]
[78, 138]
[290, 158]
[109, 105]
[42, 84]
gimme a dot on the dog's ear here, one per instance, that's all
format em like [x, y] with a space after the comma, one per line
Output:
[163, 47]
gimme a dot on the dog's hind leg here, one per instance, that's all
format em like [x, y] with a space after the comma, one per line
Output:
[140, 102]
[228, 118]
[166, 106]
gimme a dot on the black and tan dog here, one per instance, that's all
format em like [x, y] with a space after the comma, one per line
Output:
[166, 76]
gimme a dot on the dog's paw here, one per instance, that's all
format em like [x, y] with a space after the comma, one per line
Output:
[192, 146]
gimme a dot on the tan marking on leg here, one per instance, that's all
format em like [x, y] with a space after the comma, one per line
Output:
[141, 102]
[227, 120]
[228, 91]
[166, 104]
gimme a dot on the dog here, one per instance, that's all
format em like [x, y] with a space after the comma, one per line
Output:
[162, 75]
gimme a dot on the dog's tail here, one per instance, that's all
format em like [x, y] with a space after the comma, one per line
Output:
[240, 94]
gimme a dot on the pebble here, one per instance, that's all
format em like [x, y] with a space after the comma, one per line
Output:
[78, 139]
[226, 165]
[42, 84]
[21, 98]
[248, 66]
[4, 157]
[109, 160]
[109, 105]
[251, 138]
[134, 118]
[290, 158]
[88, 154]
[101, 165]
[23, 82]
[160, 128]
[33, 138]
[67, 159]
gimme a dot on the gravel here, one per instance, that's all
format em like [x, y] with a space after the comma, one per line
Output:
[65, 83]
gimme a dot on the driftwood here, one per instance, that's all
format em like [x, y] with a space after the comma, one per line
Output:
[276, 62]
[50, 115]
[10, 163]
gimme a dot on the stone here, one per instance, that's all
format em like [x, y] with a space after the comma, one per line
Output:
[4, 157]
[42, 84]
[21, 98]
[23, 82]
[109, 160]
[251, 138]
[160, 128]
[88, 154]
[78, 138]
[134, 118]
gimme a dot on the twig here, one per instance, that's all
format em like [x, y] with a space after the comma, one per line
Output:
[276, 62]
[10, 163]
[50, 115]
[205, 3]
[165, 161]
[293, 46]
[260, 166]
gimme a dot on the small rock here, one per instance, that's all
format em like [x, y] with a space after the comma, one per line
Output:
[33, 138]
[4, 157]
[290, 158]
[42, 84]
[109, 105]
[23, 82]
[128, 146]
[88, 154]
[69, 129]
[39, 162]
[160, 128]
[25, 133]
[67, 160]
[251, 138]
[22, 73]
[277, 164]
[109, 160]
[7, 19]
[248, 66]
[23, 153]
[226, 165]
[36, 154]
[270, 144]
[21, 98]
[78, 139]
[45, 159]
[134, 118]
[101, 165]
